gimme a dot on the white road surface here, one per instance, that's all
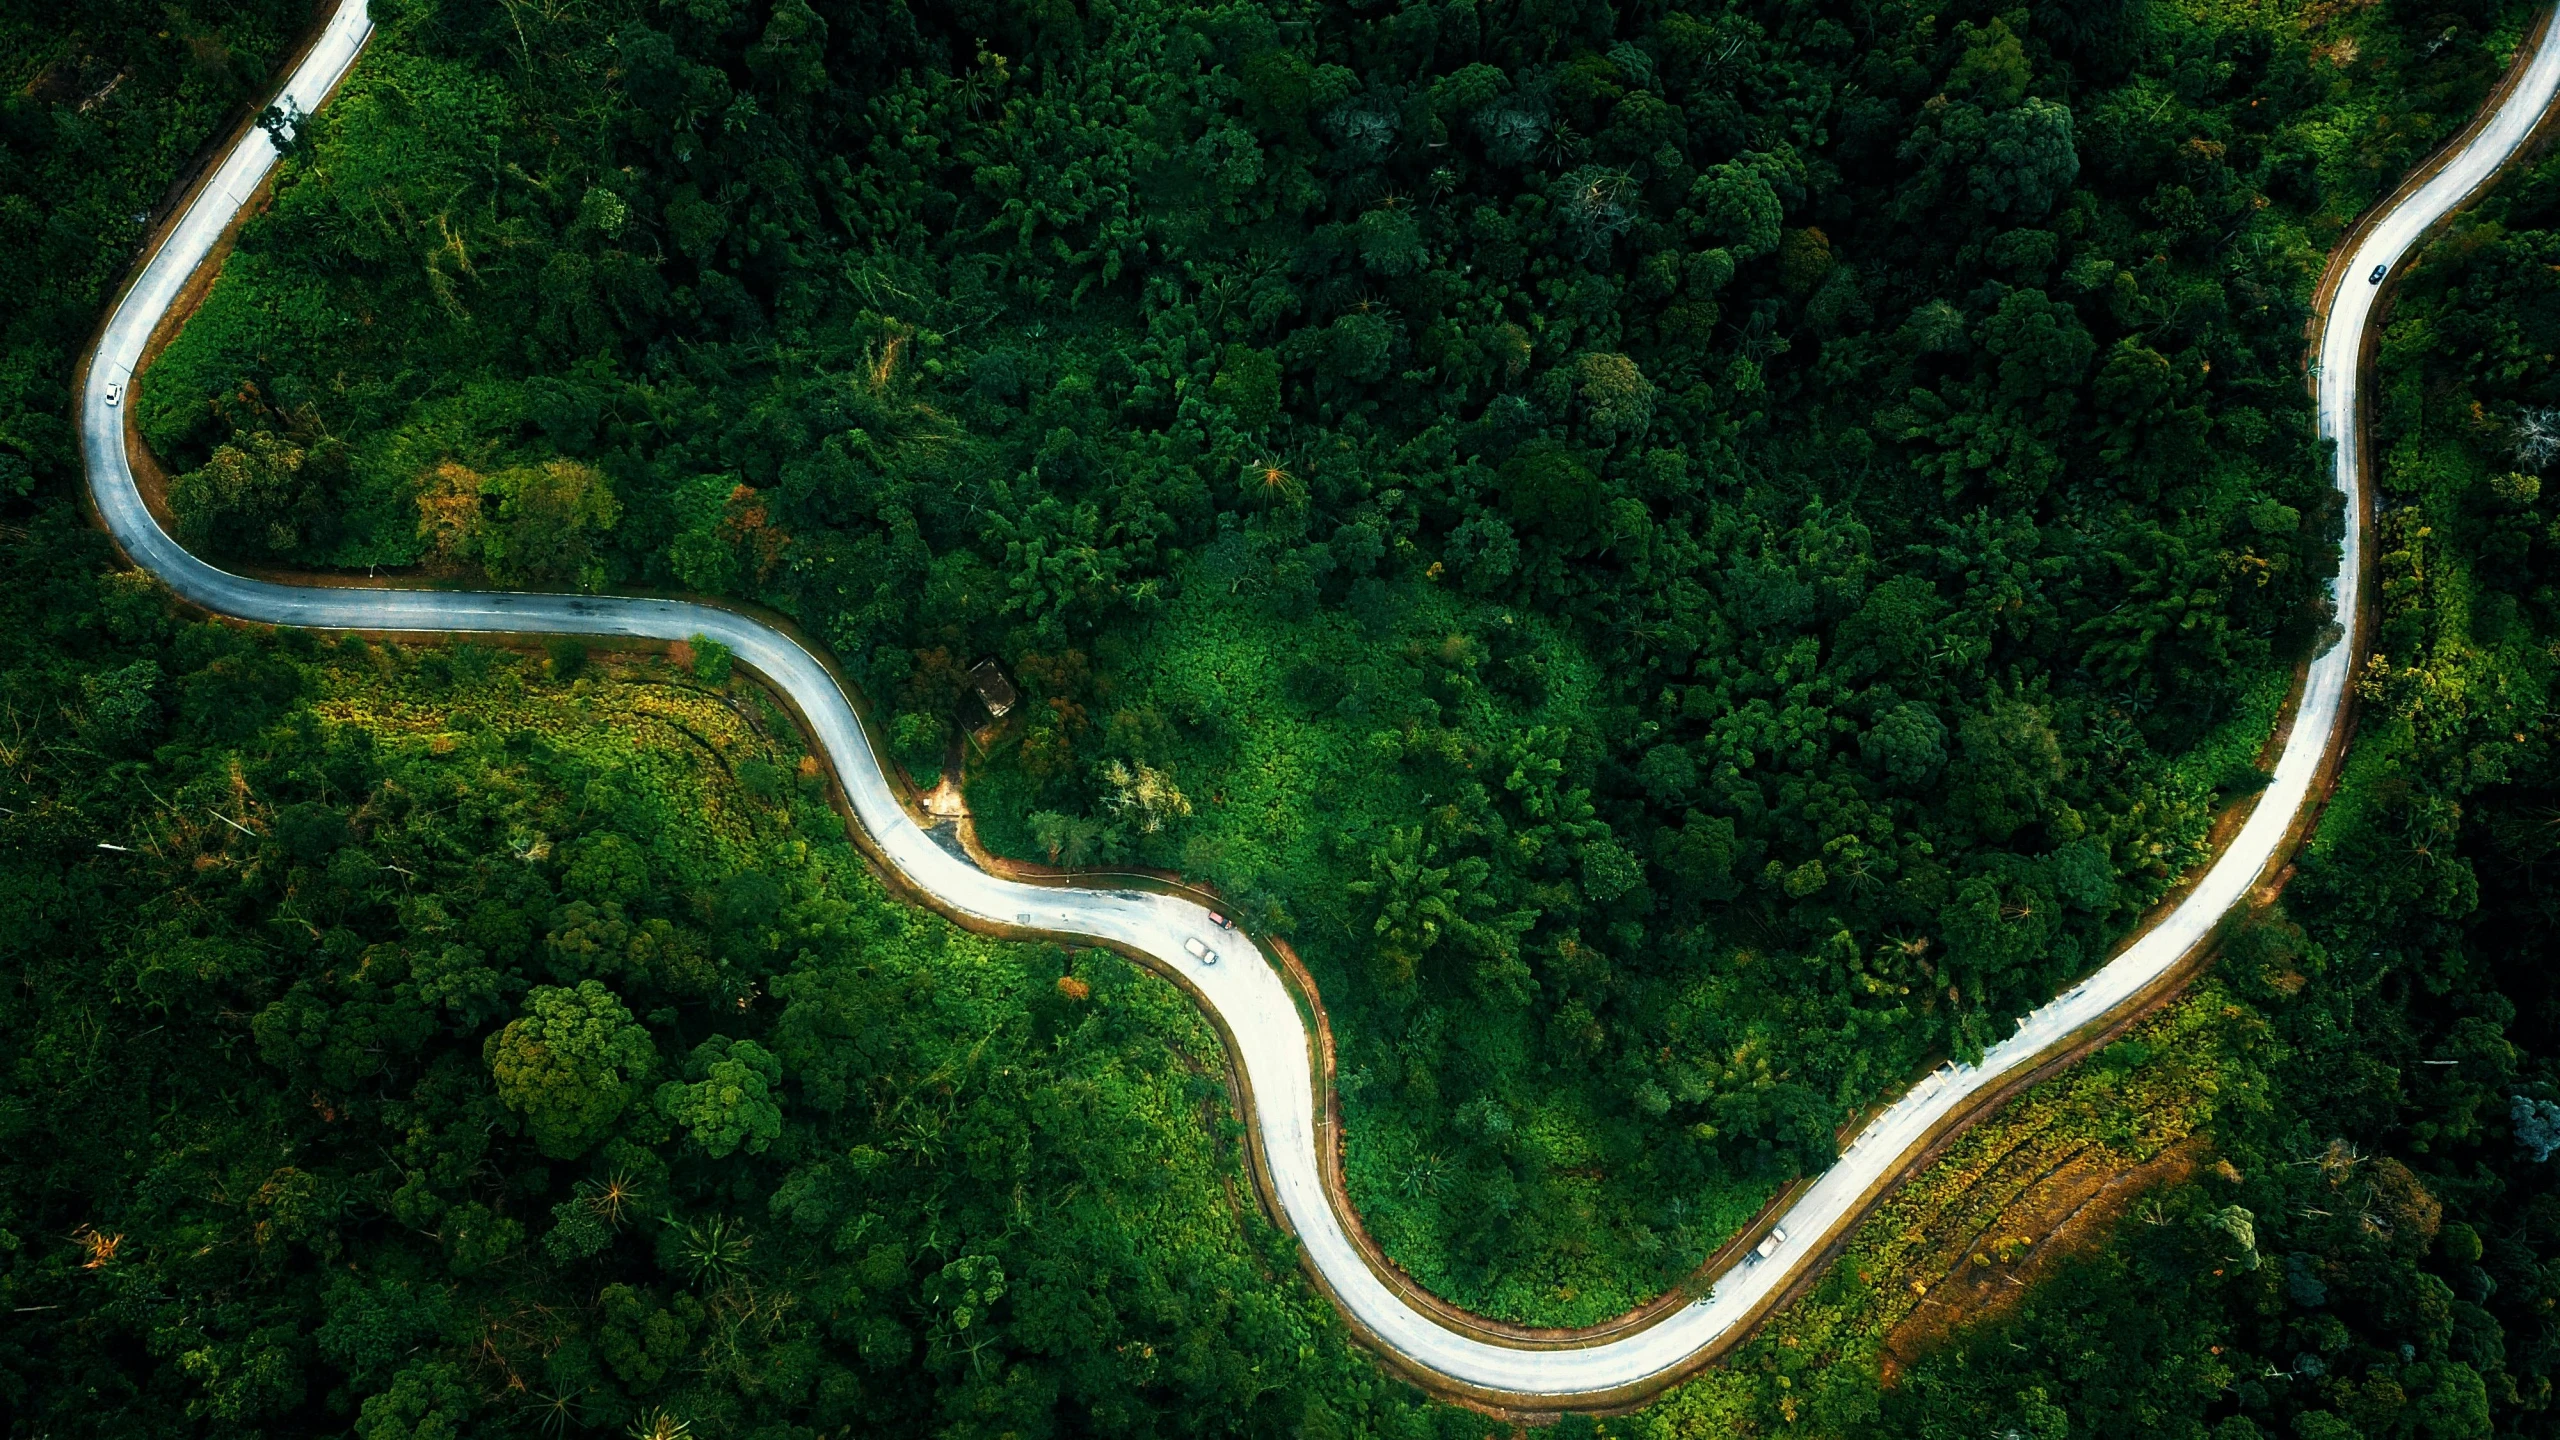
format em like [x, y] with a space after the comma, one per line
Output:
[1272, 1044]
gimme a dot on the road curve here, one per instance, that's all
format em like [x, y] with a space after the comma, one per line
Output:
[1269, 1037]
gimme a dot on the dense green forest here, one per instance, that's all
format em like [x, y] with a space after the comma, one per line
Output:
[2397, 1271]
[98, 114]
[1693, 561]
[453, 1039]
[1690, 559]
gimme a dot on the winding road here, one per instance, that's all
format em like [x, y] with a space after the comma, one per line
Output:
[1269, 1037]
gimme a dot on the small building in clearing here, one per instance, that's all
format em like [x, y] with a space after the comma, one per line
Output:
[994, 688]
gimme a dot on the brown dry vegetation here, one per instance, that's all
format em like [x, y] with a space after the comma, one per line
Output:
[1989, 1256]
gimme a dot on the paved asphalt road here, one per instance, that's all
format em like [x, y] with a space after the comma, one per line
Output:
[1271, 1042]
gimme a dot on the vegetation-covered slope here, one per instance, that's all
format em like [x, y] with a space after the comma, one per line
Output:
[291, 1077]
[98, 111]
[1693, 560]
[2393, 1264]
[401, 1038]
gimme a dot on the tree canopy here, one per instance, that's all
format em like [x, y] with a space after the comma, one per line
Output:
[1692, 561]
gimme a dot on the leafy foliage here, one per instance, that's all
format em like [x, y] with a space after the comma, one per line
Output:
[100, 111]
[2373, 1253]
[570, 1065]
[1667, 550]
[1692, 559]
[336, 1098]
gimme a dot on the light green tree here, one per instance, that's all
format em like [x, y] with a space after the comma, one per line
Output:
[570, 1065]
[730, 1103]
[427, 1401]
[1736, 208]
[551, 518]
